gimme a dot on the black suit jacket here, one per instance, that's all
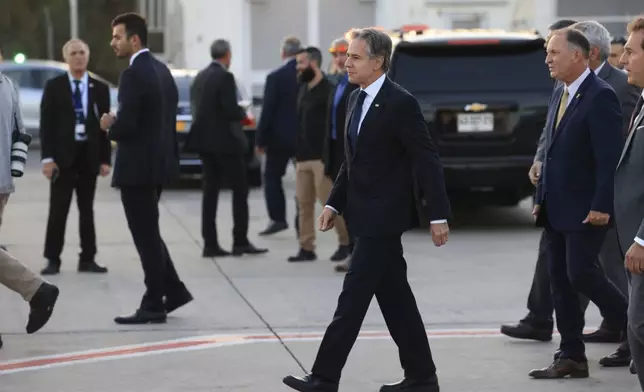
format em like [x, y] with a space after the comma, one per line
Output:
[216, 116]
[375, 188]
[58, 123]
[145, 126]
[341, 115]
[277, 128]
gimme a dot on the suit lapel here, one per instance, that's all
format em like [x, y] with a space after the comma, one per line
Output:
[631, 134]
[373, 111]
[579, 95]
[90, 98]
[352, 106]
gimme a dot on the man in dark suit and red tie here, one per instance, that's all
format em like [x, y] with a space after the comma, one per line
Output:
[147, 159]
[575, 197]
[386, 142]
[74, 152]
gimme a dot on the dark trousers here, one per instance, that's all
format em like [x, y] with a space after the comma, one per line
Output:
[141, 205]
[573, 267]
[275, 169]
[215, 168]
[377, 267]
[81, 178]
[540, 298]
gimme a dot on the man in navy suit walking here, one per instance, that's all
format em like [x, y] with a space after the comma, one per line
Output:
[575, 196]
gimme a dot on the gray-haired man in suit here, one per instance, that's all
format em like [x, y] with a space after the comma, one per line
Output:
[537, 328]
[629, 198]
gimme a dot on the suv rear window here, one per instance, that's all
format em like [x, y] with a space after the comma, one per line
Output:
[422, 68]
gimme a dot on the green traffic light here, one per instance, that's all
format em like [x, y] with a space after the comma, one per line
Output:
[19, 58]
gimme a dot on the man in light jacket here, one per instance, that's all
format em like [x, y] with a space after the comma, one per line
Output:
[40, 294]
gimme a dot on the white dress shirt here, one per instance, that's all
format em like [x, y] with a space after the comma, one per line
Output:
[599, 69]
[134, 56]
[574, 86]
[372, 90]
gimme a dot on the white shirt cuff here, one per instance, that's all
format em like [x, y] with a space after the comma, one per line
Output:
[47, 160]
[639, 241]
[438, 221]
[331, 208]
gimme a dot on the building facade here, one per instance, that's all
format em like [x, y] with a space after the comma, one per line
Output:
[184, 29]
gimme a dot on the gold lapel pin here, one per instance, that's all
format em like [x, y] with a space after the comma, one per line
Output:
[376, 105]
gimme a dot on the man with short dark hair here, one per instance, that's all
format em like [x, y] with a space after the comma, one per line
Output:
[629, 197]
[386, 142]
[146, 159]
[574, 201]
[312, 106]
[217, 136]
[616, 52]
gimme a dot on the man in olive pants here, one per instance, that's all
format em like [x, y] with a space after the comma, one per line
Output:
[14, 275]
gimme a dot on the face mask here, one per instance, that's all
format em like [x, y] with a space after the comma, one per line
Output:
[306, 75]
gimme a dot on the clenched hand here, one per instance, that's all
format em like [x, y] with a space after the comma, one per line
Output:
[326, 219]
[440, 233]
[597, 218]
[634, 261]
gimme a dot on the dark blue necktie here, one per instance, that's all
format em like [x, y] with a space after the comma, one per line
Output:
[355, 120]
[78, 108]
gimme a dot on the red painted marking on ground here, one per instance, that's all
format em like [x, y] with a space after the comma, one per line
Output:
[204, 341]
[103, 354]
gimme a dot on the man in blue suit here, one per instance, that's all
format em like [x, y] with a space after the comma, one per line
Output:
[277, 132]
[575, 196]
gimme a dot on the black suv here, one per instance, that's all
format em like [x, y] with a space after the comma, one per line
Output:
[484, 96]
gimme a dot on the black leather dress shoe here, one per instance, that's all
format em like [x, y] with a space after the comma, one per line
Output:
[524, 330]
[310, 383]
[250, 249]
[631, 368]
[42, 306]
[341, 253]
[303, 255]
[603, 335]
[91, 267]
[560, 368]
[176, 301]
[619, 358]
[52, 268]
[142, 317]
[217, 251]
[411, 385]
[274, 227]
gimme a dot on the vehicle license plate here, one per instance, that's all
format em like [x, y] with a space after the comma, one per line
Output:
[475, 122]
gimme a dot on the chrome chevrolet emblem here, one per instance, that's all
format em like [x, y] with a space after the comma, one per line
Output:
[475, 107]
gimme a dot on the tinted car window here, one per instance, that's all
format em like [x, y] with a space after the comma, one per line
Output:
[183, 85]
[24, 78]
[456, 69]
[43, 75]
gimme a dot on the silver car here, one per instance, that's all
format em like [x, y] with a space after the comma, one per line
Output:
[31, 77]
